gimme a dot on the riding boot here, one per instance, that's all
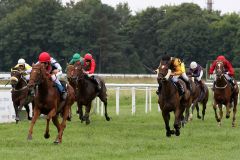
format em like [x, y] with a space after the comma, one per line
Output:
[96, 80]
[180, 88]
[213, 87]
[62, 91]
[232, 83]
[159, 89]
[189, 86]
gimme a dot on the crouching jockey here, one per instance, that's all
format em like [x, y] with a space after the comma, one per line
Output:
[196, 71]
[89, 68]
[25, 68]
[229, 71]
[177, 68]
[54, 68]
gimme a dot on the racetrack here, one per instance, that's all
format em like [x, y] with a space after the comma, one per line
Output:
[141, 136]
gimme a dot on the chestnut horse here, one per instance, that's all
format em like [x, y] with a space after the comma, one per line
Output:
[200, 95]
[224, 95]
[20, 94]
[169, 99]
[86, 91]
[48, 101]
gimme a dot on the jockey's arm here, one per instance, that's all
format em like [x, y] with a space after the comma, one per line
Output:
[57, 71]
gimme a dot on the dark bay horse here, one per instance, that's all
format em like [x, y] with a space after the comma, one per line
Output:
[20, 94]
[199, 95]
[48, 101]
[169, 99]
[224, 95]
[86, 92]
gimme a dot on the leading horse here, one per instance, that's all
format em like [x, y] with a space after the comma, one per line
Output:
[86, 91]
[20, 93]
[170, 100]
[48, 101]
[224, 94]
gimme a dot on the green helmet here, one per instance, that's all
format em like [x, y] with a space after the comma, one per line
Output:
[76, 56]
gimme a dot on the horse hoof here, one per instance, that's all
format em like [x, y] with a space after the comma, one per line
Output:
[87, 122]
[17, 121]
[218, 120]
[46, 136]
[168, 134]
[56, 142]
[172, 131]
[107, 118]
[177, 133]
[29, 118]
[199, 117]
[69, 119]
[29, 137]
[227, 116]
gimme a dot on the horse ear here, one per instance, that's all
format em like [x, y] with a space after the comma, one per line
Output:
[33, 64]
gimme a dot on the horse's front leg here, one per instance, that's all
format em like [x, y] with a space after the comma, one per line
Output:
[177, 121]
[80, 111]
[17, 118]
[87, 112]
[197, 108]
[234, 110]
[57, 125]
[221, 114]
[47, 135]
[215, 111]
[28, 111]
[228, 110]
[34, 119]
[166, 117]
[191, 113]
[204, 105]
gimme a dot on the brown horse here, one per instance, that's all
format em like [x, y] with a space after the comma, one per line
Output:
[20, 94]
[48, 101]
[224, 95]
[169, 99]
[200, 95]
[86, 92]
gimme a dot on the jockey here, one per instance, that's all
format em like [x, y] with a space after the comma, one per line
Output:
[54, 68]
[89, 66]
[26, 68]
[177, 68]
[196, 71]
[229, 71]
[76, 58]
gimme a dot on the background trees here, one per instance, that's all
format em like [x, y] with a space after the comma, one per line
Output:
[120, 42]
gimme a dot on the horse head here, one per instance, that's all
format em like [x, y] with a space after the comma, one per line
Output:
[36, 76]
[163, 71]
[219, 69]
[16, 76]
[78, 71]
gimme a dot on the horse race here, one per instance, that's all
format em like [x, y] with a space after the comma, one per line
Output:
[101, 79]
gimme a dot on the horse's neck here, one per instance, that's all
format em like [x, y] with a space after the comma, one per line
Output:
[221, 81]
[22, 83]
[167, 88]
[45, 85]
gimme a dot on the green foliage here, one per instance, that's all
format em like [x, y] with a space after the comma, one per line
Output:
[121, 42]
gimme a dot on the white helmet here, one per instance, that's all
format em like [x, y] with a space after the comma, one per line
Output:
[193, 65]
[21, 61]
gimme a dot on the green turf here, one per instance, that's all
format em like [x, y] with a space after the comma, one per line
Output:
[141, 136]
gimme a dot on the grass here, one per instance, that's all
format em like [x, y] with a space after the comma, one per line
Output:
[138, 137]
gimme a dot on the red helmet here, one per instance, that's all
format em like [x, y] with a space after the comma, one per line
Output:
[221, 58]
[44, 57]
[88, 56]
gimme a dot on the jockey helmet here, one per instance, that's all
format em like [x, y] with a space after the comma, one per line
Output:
[166, 57]
[221, 58]
[44, 57]
[21, 61]
[193, 65]
[76, 56]
[88, 57]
